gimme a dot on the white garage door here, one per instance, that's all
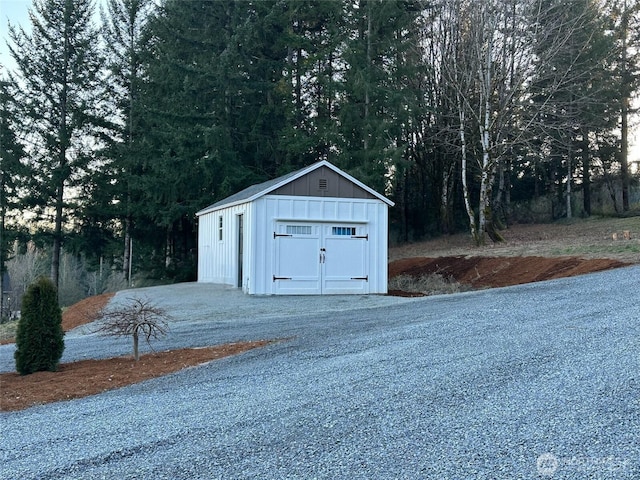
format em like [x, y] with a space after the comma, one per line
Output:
[322, 258]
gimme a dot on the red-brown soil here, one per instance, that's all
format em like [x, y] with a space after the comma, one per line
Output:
[89, 377]
[591, 238]
[487, 272]
[529, 253]
[84, 311]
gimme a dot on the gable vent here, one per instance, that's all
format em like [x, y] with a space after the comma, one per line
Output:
[323, 184]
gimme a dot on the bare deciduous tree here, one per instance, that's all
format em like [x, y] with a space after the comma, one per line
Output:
[24, 268]
[138, 317]
[499, 53]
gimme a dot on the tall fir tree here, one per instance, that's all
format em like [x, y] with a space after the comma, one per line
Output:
[215, 108]
[187, 102]
[13, 174]
[58, 65]
[376, 92]
[313, 70]
[572, 94]
[625, 18]
[126, 44]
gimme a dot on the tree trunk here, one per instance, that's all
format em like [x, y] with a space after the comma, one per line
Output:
[569, 177]
[2, 241]
[136, 355]
[405, 206]
[62, 170]
[624, 123]
[465, 187]
[586, 176]
[445, 217]
[57, 238]
[167, 248]
[366, 91]
[484, 210]
[624, 154]
[486, 223]
[126, 257]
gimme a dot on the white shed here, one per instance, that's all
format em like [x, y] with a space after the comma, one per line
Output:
[314, 231]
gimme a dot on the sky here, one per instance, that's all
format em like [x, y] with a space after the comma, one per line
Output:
[17, 12]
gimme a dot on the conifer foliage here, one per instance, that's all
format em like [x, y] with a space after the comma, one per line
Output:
[40, 338]
[462, 112]
[58, 70]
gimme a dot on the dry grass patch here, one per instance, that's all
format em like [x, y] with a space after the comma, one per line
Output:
[8, 332]
[423, 285]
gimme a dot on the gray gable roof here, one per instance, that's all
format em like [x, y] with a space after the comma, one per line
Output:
[249, 192]
[256, 191]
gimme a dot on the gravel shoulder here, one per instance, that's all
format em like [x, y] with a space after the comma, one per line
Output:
[204, 313]
[514, 382]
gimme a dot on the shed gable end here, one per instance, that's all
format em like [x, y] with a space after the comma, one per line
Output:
[323, 182]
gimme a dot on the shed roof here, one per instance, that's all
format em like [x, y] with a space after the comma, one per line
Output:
[256, 191]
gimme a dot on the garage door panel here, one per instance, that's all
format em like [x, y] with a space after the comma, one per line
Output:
[345, 257]
[320, 259]
[297, 265]
[298, 257]
[297, 286]
[345, 266]
[341, 287]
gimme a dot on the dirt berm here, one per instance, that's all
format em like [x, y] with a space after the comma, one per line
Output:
[487, 272]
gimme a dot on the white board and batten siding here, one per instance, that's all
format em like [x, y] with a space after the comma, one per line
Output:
[300, 227]
[268, 241]
[218, 248]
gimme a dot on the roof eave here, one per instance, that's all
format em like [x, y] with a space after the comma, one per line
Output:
[204, 211]
[292, 178]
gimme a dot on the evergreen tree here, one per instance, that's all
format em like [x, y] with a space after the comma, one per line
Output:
[13, 173]
[215, 108]
[572, 93]
[262, 105]
[314, 37]
[126, 43]
[625, 16]
[39, 338]
[58, 65]
[189, 110]
[377, 94]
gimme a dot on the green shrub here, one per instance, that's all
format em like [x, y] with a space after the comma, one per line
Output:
[40, 338]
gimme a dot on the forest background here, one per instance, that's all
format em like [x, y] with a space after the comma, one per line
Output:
[121, 119]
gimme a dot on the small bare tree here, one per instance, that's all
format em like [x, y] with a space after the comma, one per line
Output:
[138, 318]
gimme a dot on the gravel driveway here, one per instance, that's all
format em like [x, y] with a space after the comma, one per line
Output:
[534, 381]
